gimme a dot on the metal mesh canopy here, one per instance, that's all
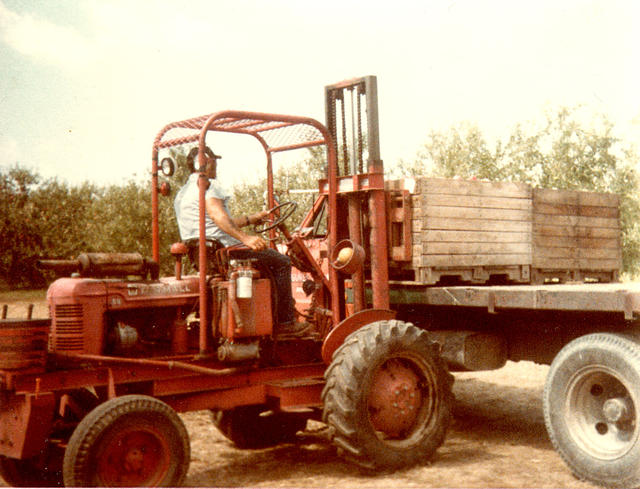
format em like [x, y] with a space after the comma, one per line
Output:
[275, 132]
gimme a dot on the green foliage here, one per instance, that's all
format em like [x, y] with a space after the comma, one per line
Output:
[121, 219]
[461, 152]
[19, 237]
[289, 180]
[48, 218]
[564, 154]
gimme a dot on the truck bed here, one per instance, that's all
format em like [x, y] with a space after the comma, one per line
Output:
[587, 297]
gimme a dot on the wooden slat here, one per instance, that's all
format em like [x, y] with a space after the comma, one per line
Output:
[476, 236]
[472, 260]
[552, 196]
[598, 199]
[591, 254]
[601, 222]
[592, 264]
[543, 252]
[576, 297]
[567, 252]
[554, 263]
[576, 210]
[575, 231]
[436, 223]
[472, 187]
[438, 248]
[545, 241]
[573, 264]
[470, 213]
[574, 197]
[485, 202]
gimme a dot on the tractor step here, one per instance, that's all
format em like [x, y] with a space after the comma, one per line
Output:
[296, 393]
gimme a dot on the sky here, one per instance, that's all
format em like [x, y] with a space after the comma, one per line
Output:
[85, 85]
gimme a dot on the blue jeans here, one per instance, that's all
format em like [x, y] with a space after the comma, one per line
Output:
[280, 267]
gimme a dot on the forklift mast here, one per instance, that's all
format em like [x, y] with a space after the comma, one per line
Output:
[359, 178]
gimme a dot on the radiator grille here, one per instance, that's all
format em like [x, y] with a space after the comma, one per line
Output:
[67, 331]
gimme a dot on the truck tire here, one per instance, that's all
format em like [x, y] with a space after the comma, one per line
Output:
[256, 427]
[128, 441]
[387, 398]
[590, 402]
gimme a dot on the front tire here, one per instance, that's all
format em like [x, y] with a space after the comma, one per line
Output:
[387, 396]
[591, 401]
[128, 441]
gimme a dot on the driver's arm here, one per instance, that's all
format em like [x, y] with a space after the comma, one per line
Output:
[217, 212]
[243, 221]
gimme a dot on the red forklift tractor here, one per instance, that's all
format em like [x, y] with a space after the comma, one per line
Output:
[90, 396]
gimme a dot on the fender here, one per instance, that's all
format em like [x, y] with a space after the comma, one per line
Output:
[347, 326]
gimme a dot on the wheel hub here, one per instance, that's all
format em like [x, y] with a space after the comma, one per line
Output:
[137, 457]
[616, 410]
[134, 459]
[601, 414]
[395, 398]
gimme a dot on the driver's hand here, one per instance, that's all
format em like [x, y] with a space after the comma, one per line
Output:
[256, 243]
[260, 216]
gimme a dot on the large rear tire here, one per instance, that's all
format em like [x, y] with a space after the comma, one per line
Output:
[128, 441]
[591, 401]
[256, 427]
[387, 397]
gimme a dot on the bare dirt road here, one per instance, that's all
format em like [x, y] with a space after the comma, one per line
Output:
[497, 439]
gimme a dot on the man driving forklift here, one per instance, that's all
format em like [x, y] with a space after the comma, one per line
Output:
[222, 230]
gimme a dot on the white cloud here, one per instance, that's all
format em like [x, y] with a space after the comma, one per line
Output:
[130, 67]
[43, 40]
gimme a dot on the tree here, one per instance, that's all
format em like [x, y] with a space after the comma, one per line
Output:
[39, 219]
[462, 152]
[19, 236]
[564, 154]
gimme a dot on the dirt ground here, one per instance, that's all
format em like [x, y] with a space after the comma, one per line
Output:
[497, 439]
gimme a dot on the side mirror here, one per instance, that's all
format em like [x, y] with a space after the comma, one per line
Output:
[167, 167]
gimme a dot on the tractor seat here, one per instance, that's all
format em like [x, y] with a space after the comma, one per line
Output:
[213, 245]
[217, 255]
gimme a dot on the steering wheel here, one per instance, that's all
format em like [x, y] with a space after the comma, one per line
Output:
[191, 157]
[282, 212]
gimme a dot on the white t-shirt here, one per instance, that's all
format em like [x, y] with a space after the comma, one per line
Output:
[187, 211]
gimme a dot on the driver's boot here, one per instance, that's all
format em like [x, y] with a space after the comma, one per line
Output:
[293, 329]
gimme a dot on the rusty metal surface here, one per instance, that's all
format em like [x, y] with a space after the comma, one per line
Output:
[24, 424]
[348, 326]
[103, 264]
[194, 383]
[395, 398]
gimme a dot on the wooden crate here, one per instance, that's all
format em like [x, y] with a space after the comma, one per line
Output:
[471, 230]
[576, 236]
[476, 230]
